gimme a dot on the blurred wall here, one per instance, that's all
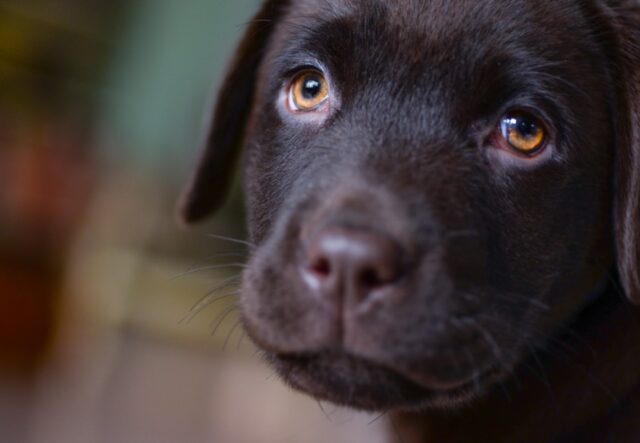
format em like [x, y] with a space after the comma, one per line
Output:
[170, 55]
[52, 64]
[100, 115]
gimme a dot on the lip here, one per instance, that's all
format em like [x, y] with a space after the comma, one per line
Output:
[354, 381]
[435, 384]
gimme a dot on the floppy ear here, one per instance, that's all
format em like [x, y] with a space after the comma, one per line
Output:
[627, 180]
[210, 182]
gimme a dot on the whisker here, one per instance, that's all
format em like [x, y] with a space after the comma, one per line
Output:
[597, 382]
[572, 333]
[476, 379]
[323, 410]
[208, 268]
[204, 261]
[238, 241]
[540, 373]
[549, 342]
[378, 417]
[541, 340]
[221, 317]
[200, 307]
[240, 339]
[230, 333]
[224, 254]
[509, 296]
[493, 346]
[488, 338]
[208, 297]
[270, 376]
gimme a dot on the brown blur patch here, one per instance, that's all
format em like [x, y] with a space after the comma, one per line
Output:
[27, 300]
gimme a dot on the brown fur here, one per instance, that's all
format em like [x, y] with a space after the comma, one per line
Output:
[533, 307]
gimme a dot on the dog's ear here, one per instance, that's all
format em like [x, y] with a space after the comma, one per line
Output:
[626, 15]
[210, 182]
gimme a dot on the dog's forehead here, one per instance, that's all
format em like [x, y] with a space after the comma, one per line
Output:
[449, 53]
[437, 33]
[441, 16]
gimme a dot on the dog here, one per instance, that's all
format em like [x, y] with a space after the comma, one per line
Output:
[444, 198]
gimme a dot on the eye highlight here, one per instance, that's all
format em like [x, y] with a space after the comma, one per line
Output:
[308, 91]
[523, 133]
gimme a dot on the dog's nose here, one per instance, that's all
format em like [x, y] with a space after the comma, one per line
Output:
[350, 264]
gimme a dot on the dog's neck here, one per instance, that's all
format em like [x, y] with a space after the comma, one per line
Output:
[565, 394]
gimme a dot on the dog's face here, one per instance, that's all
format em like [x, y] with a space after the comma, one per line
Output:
[429, 185]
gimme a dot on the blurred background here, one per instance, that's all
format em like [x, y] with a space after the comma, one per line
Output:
[100, 111]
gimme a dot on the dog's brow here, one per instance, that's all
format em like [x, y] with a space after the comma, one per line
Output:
[326, 8]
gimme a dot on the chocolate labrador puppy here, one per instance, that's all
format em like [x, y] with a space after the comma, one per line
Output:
[444, 196]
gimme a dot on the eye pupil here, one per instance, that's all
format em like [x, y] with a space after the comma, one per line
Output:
[527, 128]
[311, 87]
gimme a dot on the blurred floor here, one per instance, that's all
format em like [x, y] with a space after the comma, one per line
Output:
[154, 392]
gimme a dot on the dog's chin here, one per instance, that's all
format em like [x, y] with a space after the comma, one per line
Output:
[351, 381]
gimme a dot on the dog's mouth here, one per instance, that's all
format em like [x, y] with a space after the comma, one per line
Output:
[353, 381]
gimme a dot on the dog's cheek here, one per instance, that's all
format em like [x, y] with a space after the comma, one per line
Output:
[552, 248]
[275, 163]
[262, 186]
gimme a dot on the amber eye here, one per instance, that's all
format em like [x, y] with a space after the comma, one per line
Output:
[523, 132]
[308, 91]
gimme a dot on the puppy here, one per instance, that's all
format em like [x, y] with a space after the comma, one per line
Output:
[444, 196]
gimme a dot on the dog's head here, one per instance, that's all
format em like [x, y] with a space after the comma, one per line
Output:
[433, 186]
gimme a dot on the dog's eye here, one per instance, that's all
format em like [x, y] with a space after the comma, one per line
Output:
[523, 133]
[308, 91]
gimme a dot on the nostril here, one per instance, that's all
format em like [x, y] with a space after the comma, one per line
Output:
[370, 279]
[346, 262]
[321, 267]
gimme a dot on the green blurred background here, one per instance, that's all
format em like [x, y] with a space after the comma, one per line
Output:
[100, 112]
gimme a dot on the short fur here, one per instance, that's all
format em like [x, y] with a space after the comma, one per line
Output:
[514, 270]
